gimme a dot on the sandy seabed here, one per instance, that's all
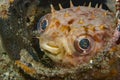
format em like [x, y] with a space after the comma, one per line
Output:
[7, 69]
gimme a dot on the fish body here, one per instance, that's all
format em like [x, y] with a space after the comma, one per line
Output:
[74, 35]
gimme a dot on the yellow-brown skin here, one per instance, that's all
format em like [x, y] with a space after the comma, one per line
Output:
[65, 28]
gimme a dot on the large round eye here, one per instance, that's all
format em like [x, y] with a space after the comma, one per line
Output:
[83, 44]
[42, 24]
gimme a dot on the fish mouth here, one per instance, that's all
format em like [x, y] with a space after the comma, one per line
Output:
[51, 48]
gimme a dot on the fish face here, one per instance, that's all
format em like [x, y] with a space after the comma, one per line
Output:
[74, 35]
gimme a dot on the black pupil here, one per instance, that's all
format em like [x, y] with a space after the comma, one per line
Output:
[84, 43]
[44, 24]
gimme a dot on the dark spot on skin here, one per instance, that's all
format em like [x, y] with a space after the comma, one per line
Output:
[69, 29]
[57, 23]
[96, 37]
[71, 21]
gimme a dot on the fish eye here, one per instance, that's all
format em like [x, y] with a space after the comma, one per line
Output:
[42, 24]
[84, 43]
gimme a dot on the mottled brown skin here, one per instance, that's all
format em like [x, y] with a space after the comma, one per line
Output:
[65, 28]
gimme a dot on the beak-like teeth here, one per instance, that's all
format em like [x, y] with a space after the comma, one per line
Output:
[52, 49]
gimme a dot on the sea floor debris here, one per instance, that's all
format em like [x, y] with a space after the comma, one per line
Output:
[7, 69]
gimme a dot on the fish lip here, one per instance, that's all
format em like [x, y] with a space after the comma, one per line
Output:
[51, 49]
